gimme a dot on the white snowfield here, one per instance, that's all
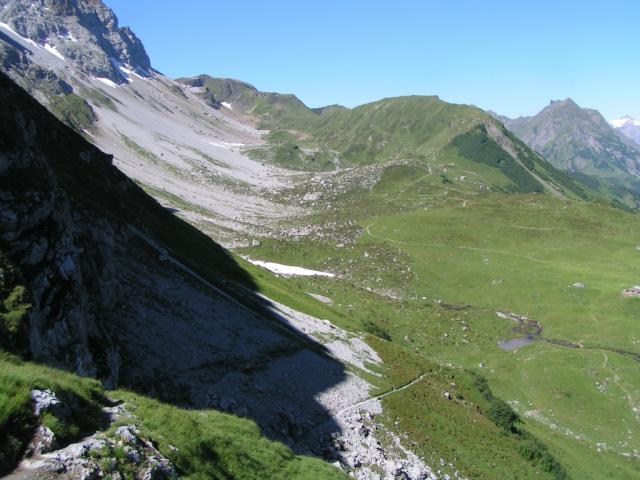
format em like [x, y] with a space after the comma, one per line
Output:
[52, 50]
[106, 81]
[621, 122]
[27, 40]
[280, 269]
[227, 104]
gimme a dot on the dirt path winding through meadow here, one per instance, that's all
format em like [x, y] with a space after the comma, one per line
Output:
[383, 395]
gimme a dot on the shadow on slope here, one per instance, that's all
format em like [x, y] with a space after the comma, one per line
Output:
[120, 289]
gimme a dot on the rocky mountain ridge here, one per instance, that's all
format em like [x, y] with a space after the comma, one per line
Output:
[577, 139]
[84, 32]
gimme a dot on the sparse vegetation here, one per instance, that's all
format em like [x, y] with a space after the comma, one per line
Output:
[74, 111]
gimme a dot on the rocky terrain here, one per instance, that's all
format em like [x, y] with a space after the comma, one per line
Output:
[110, 297]
[184, 151]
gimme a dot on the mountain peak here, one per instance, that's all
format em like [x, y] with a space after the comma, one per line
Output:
[83, 32]
[567, 102]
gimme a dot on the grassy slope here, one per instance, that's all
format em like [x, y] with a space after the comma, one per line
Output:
[395, 128]
[424, 240]
[17, 379]
[271, 109]
[425, 131]
[209, 444]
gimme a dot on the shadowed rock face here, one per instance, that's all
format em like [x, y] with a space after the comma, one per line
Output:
[84, 31]
[113, 294]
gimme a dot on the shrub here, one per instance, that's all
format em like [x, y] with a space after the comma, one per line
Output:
[502, 415]
[376, 330]
[532, 450]
[14, 310]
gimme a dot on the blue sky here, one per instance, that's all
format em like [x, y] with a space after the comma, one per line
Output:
[508, 56]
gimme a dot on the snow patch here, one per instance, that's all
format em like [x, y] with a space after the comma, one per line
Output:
[128, 72]
[70, 37]
[53, 50]
[621, 122]
[28, 40]
[227, 104]
[288, 269]
[226, 145]
[106, 81]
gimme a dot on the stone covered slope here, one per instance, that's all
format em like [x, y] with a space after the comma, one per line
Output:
[185, 152]
[116, 287]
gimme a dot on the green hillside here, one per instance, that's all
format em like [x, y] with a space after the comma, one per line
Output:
[272, 110]
[432, 261]
[425, 131]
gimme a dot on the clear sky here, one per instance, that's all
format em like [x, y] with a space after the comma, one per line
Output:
[508, 56]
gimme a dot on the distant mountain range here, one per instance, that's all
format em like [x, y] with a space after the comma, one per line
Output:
[577, 139]
[582, 142]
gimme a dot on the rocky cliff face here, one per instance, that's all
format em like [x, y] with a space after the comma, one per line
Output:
[83, 31]
[60, 252]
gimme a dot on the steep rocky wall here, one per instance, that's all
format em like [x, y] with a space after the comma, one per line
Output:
[58, 251]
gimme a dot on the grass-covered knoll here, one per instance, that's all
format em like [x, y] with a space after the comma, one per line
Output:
[284, 149]
[84, 397]
[214, 445]
[396, 128]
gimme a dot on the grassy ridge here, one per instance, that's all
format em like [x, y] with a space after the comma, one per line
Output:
[477, 145]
